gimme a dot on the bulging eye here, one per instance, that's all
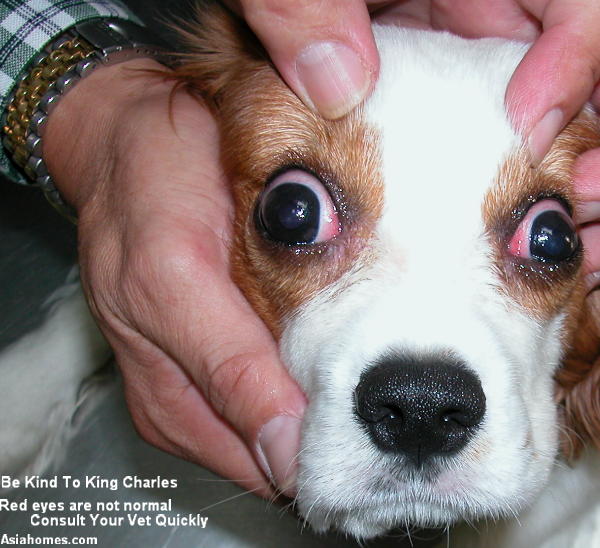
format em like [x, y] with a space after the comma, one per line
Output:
[296, 208]
[546, 233]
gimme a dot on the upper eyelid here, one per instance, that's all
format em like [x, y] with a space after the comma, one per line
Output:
[520, 211]
[327, 179]
[284, 168]
[304, 177]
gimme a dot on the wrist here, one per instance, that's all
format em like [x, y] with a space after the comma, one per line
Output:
[82, 132]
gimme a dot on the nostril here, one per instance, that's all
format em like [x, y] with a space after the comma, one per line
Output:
[420, 406]
[457, 417]
[394, 413]
[388, 413]
[375, 413]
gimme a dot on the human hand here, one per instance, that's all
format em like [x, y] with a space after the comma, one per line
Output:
[201, 372]
[326, 54]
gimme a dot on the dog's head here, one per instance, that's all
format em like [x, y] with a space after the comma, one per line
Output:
[423, 280]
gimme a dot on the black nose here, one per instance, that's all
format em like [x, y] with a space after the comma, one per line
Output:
[420, 407]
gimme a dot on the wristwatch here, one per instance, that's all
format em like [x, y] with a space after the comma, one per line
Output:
[73, 56]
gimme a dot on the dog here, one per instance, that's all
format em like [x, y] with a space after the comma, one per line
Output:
[423, 280]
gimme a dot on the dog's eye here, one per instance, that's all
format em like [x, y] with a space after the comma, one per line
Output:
[546, 233]
[296, 208]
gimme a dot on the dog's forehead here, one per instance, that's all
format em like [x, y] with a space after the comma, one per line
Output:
[443, 129]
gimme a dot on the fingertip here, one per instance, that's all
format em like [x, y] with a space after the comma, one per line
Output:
[533, 113]
[585, 176]
[592, 281]
[332, 78]
[588, 212]
[277, 450]
[325, 51]
[590, 235]
[543, 134]
[549, 86]
[265, 406]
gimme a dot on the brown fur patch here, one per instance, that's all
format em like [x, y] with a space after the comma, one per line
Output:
[539, 287]
[544, 289]
[578, 381]
[264, 128]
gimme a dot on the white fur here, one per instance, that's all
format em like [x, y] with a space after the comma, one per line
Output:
[567, 514]
[439, 111]
[42, 375]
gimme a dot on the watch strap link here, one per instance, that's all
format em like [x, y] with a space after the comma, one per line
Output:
[56, 70]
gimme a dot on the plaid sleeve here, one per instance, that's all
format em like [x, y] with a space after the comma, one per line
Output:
[26, 26]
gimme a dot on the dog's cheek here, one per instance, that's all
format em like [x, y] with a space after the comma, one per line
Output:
[278, 279]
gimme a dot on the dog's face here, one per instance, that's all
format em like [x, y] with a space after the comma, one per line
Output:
[422, 279]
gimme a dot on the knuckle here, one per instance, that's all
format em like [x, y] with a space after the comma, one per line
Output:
[149, 418]
[231, 381]
[148, 273]
[157, 424]
[148, 432]
[144, 425]
[164, 261]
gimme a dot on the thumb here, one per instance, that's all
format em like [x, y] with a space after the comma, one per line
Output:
[558, 74]
[324, 50]
[206, 325]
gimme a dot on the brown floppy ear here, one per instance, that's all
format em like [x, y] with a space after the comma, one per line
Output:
[578, 381]
[219, 46]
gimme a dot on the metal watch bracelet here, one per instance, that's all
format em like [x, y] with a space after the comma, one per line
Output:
[102, 42]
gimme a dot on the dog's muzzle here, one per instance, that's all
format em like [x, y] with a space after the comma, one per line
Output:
[419, 407]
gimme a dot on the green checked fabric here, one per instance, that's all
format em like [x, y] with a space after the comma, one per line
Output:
[26, 26]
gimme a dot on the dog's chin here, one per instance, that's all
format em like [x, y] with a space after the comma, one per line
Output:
[357, 490]
[368, 522]
[407, 512]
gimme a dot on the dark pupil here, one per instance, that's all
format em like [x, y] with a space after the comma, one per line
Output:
[290, 214]
[553, 238]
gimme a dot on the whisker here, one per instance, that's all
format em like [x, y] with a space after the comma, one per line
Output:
[236, 496]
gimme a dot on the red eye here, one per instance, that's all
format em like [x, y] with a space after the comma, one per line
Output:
[296, 208]
[546, 233]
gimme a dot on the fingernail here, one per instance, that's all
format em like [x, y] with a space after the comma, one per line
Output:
[588, 212]
[543, 134]
[277, 448]
[333, 77]
[592, 281]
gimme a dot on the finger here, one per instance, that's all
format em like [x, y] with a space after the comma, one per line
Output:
[590, 235]
[204, 322]
[324, 50]
[587, 185]
[170, 412]
[558, 74]
[412, 13]
[476, 19]
[188, 307]
[174, 284]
